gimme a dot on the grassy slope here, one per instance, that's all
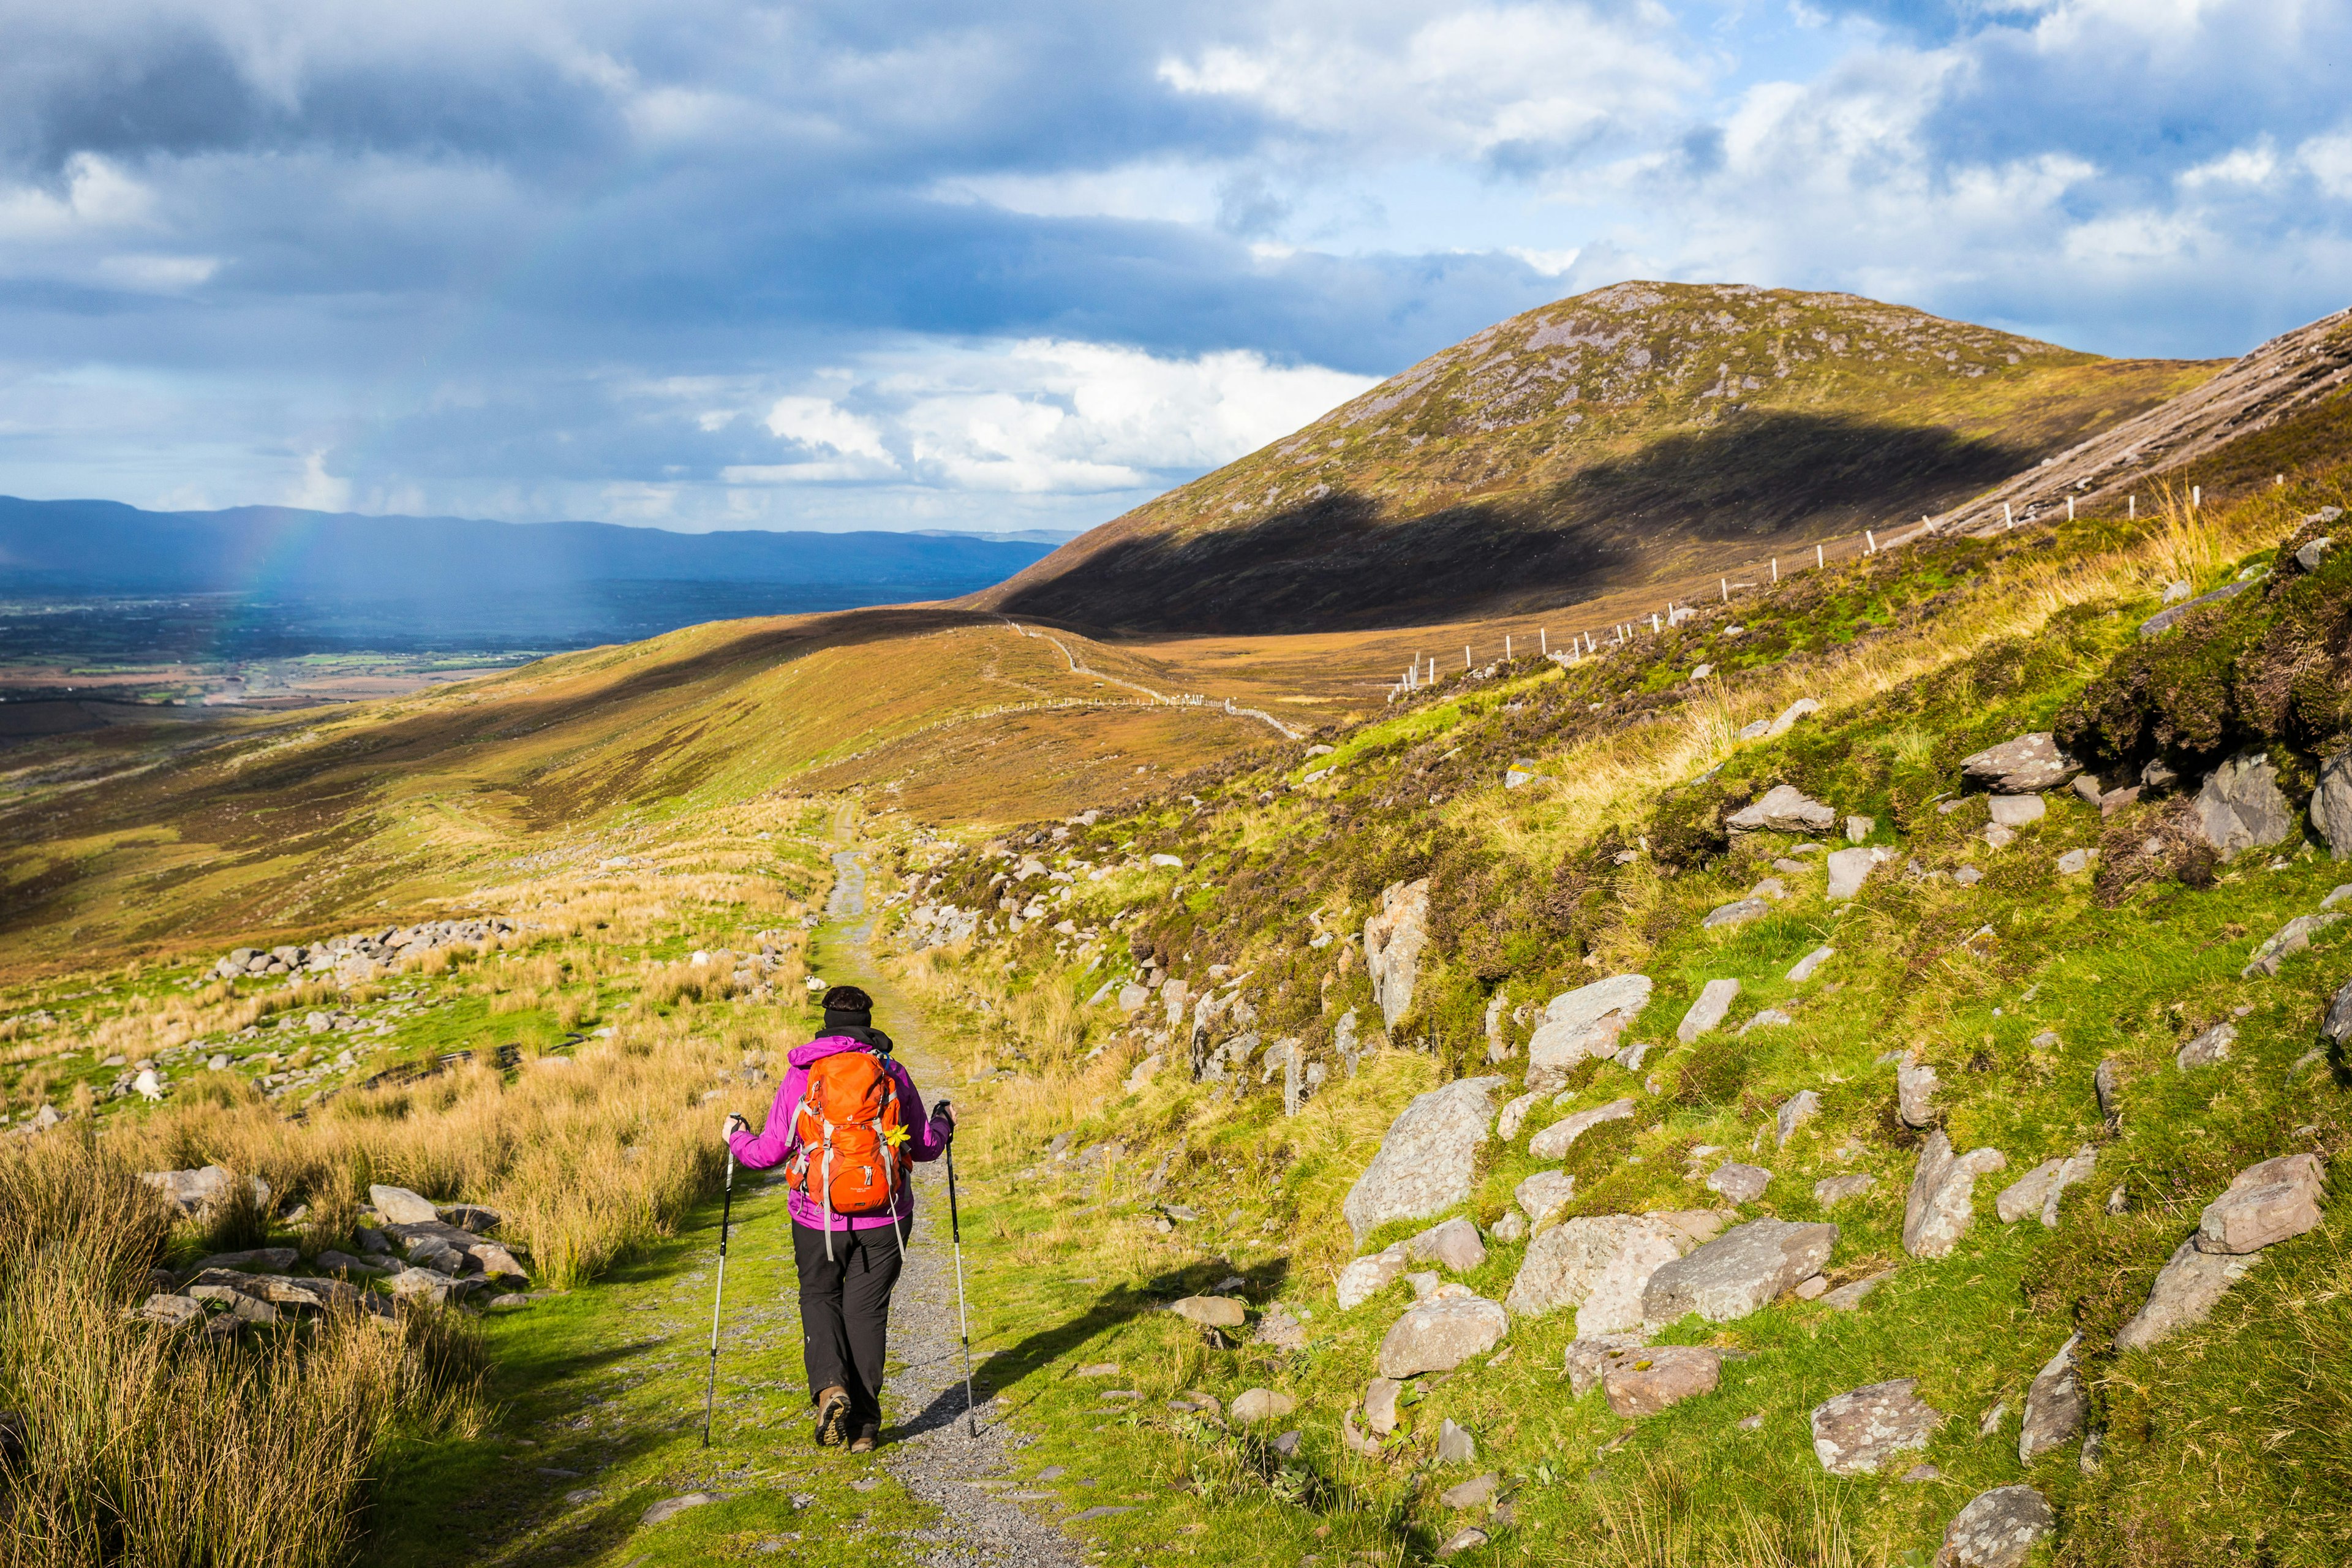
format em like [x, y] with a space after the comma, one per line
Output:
[2229, 1444]
[136, 839]
[1601, 442]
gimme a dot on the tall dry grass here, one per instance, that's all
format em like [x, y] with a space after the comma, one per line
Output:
[143, 1446]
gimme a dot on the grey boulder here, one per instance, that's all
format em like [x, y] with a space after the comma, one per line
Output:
[1856, 1433]
[1849, 870]
[1738, 1272]
[1545, 1194]
[2331, 805]
[400, 1206]
[1740, 1184]
[1586, 1022]
[1646, 1381]
[2289, 940]
[2056, 1406]
[2239, 807]
[1441, 1333]
[1784, 809]
[1831, 1190]
[1942, 1199]
[2185, 1292]
[1915, 1094]
[1997, 1530]
[1453, 1244]
[1795, 1111]
[1392, 942]
[1554, 1141]
[2038, 1190]
[2026, 765]
[1737, 912]
[1708, 1010]
[1367, 1277]
[2210, 1046]
[2266, 1203]
[1429, 1159]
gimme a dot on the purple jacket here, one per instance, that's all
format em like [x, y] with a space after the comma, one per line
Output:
[774, 1145]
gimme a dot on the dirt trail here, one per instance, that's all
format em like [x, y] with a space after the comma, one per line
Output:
[929, 1447]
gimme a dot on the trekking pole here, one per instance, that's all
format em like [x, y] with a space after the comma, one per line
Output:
[963, 1323]
[726, 1215]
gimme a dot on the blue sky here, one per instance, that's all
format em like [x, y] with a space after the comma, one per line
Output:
[934, 264]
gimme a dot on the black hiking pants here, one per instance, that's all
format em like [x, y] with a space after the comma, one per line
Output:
[846, 1311]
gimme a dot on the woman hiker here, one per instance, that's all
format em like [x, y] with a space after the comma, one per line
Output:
[845, 1124]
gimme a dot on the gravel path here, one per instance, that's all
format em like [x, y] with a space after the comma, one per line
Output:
[929, 1447]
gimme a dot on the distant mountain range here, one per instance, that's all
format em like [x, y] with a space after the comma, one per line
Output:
[339, 580]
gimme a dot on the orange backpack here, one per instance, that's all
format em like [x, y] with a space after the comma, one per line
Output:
[850, 1130]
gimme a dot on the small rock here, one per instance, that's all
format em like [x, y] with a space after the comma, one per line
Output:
[1968, 875]
[2338, 1025]
[1784, 809]
[1545, 1194]
[2074, 862]
[1585, 1022]
[1754, 1423]
[2331, 805]
[1804, 967]
[1367, 1277]
[1515, 1113]
[1455, 1445]
[1915, 1095]
[1858, 828]
[1254, 1405]
[1287, 1445]
[1846, 1298]
[1380, 1405]
[1795, 1111]
[1510, 1229]
[400, 1206]
[1739, 1271]
[1940, 1205]
[1476, 1493]
[1453, 1244]
[1647, 1382]
[2017, 810]
[1999, 835]
[1923, 1472]
[2291, 939]
[1212, 1312]
[1428, 1159]
[1707, 1011]
[1739, 912]
[1849, 870]
[2211, 1046]
[1811, 1290]
[671, 1507]
[1097, 1369]
[1553, 1141]
[2239, 807]
[2056, 1406]
[1440, 1335]
[1831, 1190]
[1466, 1540]
[2027, 764]
[1740, 1184]
[1856, 1433]
[1770, 1018]
[1995, 1530]
[2265, 1204]
[2185, 1292]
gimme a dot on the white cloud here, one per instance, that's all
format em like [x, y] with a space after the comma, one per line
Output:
[820, 422]
[1396, 81]
[317, 489]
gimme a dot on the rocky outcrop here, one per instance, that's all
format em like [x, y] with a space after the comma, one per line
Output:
[1441, 1333]
[1738, 1271]
[1857, 1434]
[2239, 807]
[2289, 940]
[1941, 1203]
[2025, 765]
[1392, 942]
[1795, 1111]
[1997, 1530]
[1428, 1159]
[360, 955]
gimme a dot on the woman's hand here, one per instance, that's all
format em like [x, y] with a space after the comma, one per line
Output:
[943, 1119]
[726, 1128]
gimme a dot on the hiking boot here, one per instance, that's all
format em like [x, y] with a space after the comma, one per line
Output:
[866, 1437]
[831, 1411]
